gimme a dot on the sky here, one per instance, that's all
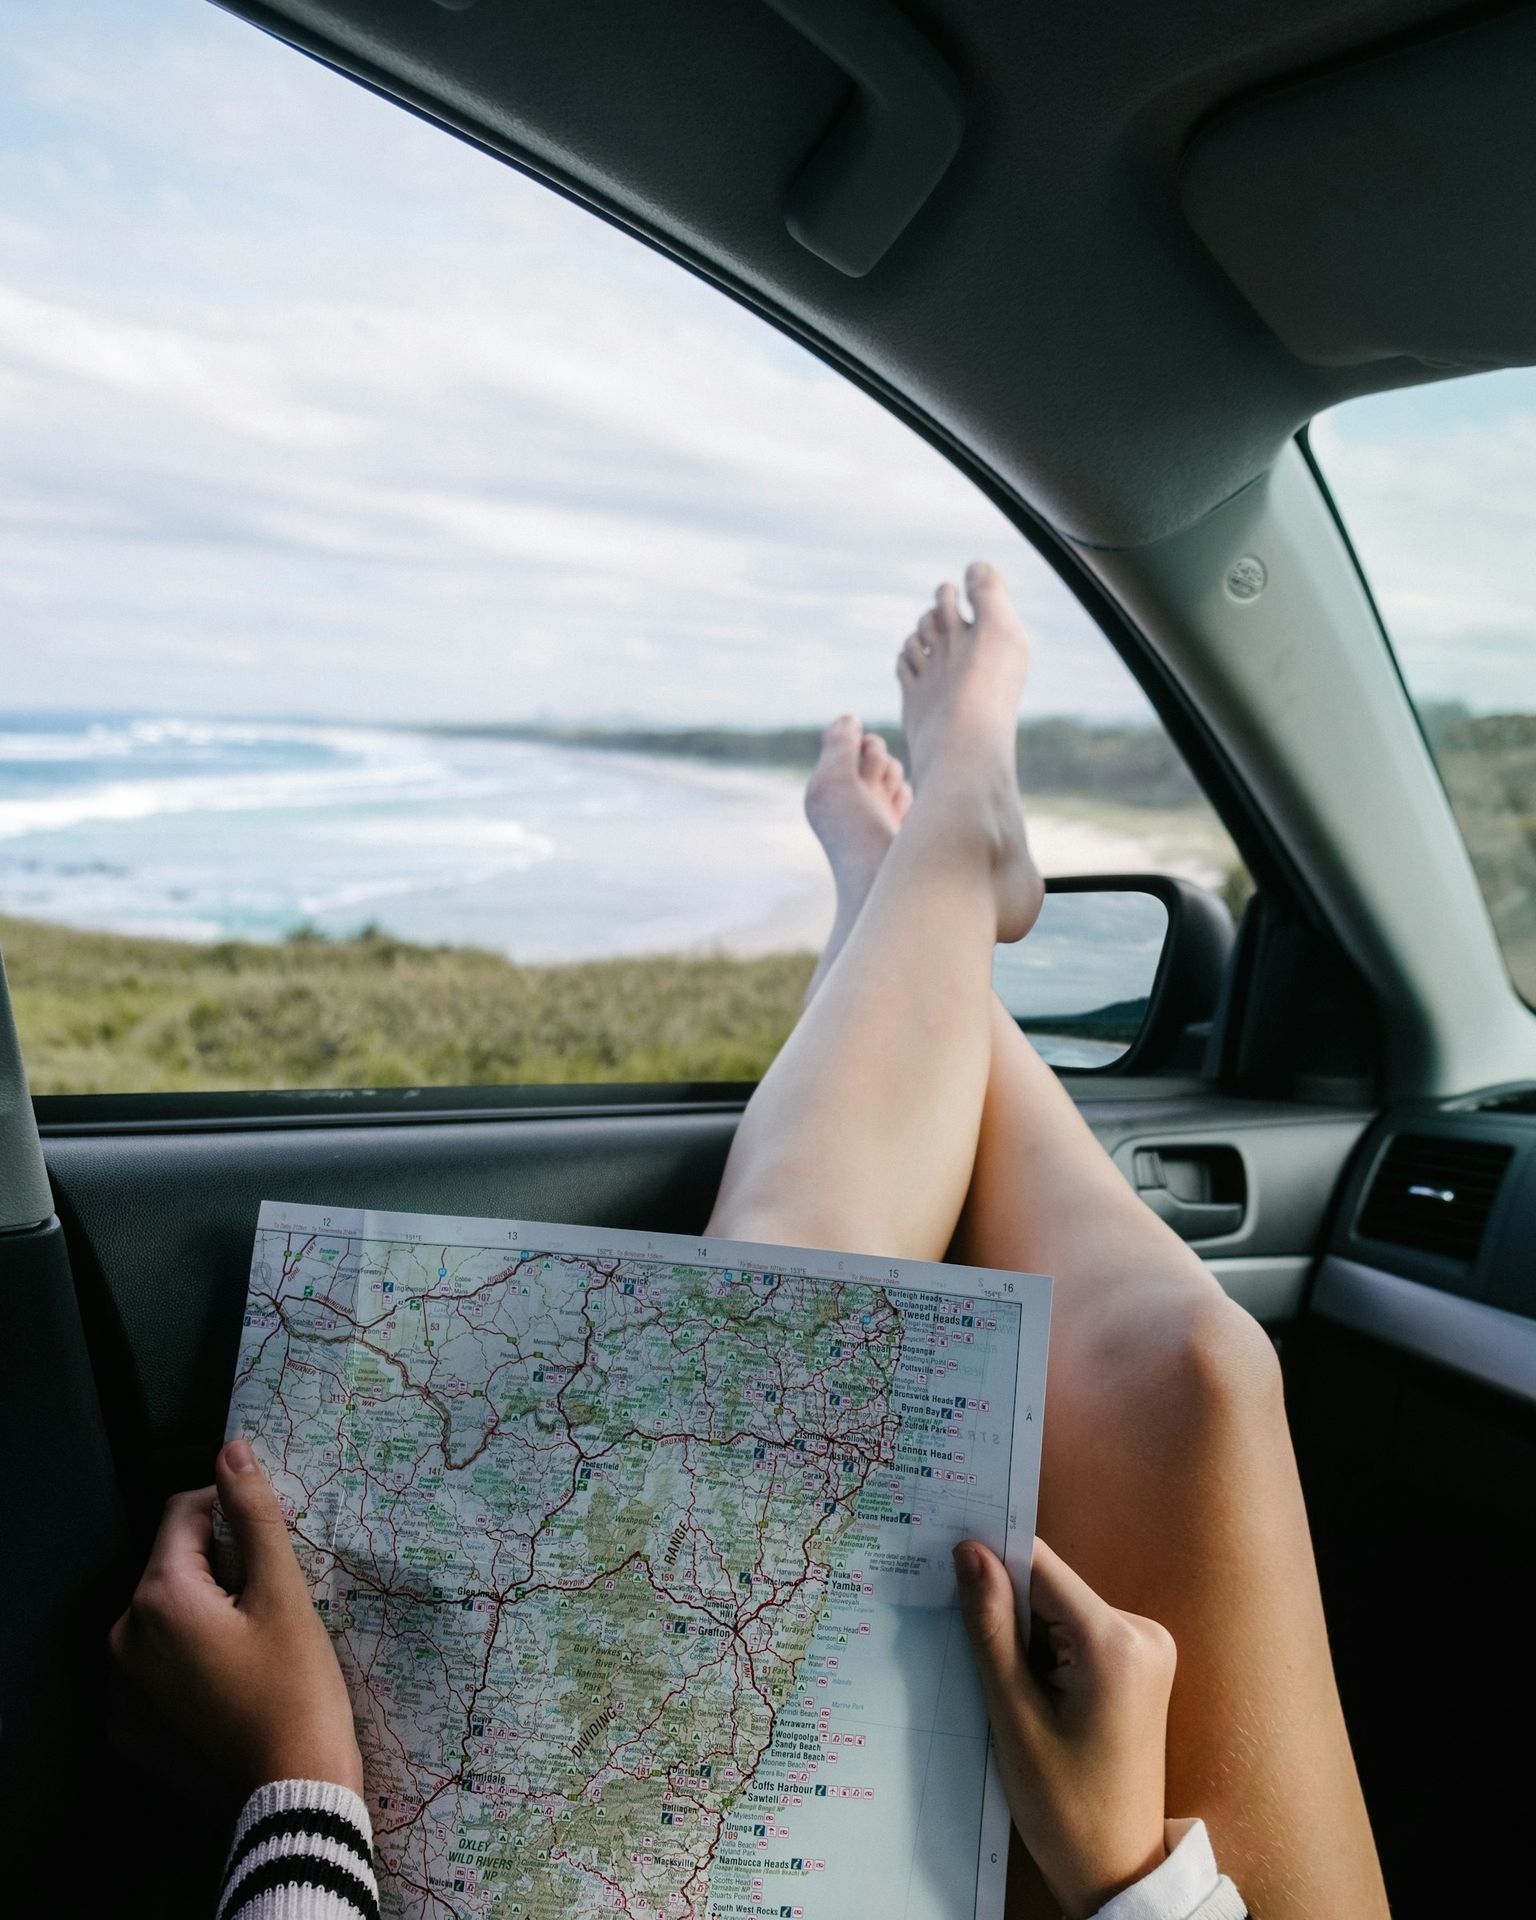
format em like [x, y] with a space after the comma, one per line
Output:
[307, 409]
[1437, 486]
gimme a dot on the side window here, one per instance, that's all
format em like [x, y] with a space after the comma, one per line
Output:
[422, 605]
[1437, 485]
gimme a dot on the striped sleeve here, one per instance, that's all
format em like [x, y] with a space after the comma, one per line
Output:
[303, 1850]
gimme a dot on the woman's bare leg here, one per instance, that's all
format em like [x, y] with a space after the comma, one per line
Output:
[863, 1132]
[1167, 1478]
[1169, 1482]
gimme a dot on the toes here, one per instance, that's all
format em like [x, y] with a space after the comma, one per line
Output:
[913, 653]
[872, 751]
[901, 800]
[946, 605]
[985, 589]
[931, 631]
[892, 779]
[839, 748]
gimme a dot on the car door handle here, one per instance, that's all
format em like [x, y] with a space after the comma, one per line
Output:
[892, 143]
[1195, 1219]
[1201, 1191]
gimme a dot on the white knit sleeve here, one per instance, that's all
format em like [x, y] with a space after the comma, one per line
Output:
[1186, 1886]
[303, 1850]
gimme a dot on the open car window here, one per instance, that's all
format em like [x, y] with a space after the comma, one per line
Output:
[1437, 487]
[422, 603]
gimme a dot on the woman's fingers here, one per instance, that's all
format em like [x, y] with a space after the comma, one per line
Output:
[1060, 1597]
[184, 1537]
[992, 1623]
[1086, 1635]
[272, 1571]
[1081, 1754]
[1095, 1644]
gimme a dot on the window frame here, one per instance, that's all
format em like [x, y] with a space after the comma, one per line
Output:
[1260, 849]
[1268, 862]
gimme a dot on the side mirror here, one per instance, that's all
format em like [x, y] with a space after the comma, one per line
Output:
[1121, 971]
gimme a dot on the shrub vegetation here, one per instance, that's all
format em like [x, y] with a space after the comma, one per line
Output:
[109, 1013]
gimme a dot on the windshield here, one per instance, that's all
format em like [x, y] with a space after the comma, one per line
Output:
[1437, 487]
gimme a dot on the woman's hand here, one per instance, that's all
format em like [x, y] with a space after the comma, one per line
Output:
[1081, 1748]
[250, 1685]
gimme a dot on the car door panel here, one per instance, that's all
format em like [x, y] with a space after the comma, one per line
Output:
[160, 1224]
[1413, 1407]
[135, 1354]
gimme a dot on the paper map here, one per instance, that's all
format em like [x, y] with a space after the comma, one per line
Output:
[635, 1551]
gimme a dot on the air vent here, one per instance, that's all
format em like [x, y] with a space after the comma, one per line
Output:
[1513, 1100]
[1434, 1193]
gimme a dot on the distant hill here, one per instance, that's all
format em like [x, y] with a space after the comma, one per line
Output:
[1488, 764]
[1134, 765]
[1120, 1020]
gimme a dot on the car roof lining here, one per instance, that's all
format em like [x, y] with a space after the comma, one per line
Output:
[1376, 209]
[1049, 308]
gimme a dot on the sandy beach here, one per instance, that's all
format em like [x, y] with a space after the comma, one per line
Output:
[1067, 836]
[543, 852]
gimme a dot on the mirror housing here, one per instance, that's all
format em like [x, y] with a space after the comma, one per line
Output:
[1129, 982]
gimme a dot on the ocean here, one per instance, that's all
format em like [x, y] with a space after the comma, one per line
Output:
[205, 830]
[208, 830]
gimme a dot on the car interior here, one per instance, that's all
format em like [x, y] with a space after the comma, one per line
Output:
[1111, 262]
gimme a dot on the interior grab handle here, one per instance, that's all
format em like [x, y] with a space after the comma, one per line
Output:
[892, 143]
[1200, 1189]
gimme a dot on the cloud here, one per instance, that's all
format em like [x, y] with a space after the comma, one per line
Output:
[305, 407]
[217, 383]
[1438, 490]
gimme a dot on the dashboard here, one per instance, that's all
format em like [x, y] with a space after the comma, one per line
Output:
[1433, 1247]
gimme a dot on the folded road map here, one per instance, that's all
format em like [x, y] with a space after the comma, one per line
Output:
[636, 1553]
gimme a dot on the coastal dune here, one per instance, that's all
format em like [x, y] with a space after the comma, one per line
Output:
[539, 846]
[1066, 837]
[212, 904]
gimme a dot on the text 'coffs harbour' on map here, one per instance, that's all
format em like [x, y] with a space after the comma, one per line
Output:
[635, 1553]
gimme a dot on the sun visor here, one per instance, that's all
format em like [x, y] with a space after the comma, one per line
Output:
[1387, 209]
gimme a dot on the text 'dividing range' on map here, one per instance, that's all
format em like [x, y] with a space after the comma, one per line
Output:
[636, 1553]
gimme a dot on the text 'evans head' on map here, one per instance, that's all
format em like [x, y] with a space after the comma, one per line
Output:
[635, 1550]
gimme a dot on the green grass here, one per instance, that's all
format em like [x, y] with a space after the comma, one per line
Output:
[1133, 763]
[1488, 763]
[105, 1013]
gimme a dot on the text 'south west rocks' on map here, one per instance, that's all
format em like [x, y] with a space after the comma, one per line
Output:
[635, 1550]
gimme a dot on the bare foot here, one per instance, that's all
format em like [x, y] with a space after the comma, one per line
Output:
[855, 800]
[961, 681]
